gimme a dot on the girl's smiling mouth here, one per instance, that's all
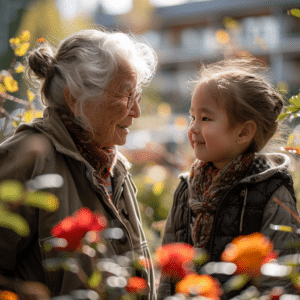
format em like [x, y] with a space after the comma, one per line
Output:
[199, 143]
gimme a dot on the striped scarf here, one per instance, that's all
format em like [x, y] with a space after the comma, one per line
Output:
[207, 187]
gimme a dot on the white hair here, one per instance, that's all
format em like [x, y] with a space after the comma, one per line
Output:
[86, 62]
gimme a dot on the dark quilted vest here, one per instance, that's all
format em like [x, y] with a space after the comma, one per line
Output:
[229, 216]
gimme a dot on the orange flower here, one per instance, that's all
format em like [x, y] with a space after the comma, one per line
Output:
[41, 40]
[136, 285]
[203, 285]
[249, 253]
[7, 295]
[222, 36]
[292, 149]
[146, 263]
[174, 259]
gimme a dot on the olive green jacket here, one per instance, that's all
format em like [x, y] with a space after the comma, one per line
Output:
[45, 147]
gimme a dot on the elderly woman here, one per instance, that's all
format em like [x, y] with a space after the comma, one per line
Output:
[91, 87]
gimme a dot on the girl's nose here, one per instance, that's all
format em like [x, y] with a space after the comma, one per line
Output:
[194, 128]
[135, 110]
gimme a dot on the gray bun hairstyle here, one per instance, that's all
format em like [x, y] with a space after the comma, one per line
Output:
[85, 62]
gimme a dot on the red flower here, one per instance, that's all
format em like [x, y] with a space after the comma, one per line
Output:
[203, 285]
[136, 285]
[174, 259]
[74, 228]
[249, 253]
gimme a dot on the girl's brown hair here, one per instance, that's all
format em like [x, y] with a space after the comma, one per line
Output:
[247, 95]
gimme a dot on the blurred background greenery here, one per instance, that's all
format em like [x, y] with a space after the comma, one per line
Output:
[184, 34]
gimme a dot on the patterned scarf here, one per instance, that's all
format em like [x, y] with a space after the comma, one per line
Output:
[102, 159]
[207, 187]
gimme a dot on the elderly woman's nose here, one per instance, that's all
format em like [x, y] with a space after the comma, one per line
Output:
[135, 110]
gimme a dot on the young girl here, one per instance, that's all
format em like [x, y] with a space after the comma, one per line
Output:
[231, 187]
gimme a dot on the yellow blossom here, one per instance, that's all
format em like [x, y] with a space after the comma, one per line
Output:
[19, 68]
[22, 49]
[25, 36]
[28, 116]
[158, 188]
[30, 95]
[38, 114]
[14, 42]
[10, 84]
[2, 88]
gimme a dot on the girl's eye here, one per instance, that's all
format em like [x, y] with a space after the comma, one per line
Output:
[205, 119]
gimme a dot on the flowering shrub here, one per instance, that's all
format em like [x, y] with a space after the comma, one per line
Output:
[250, 255]
[8, 84]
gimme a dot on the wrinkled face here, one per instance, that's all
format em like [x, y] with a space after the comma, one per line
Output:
[210, 135]
[109, 116]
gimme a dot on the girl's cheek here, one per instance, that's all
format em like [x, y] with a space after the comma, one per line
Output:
[190, 138]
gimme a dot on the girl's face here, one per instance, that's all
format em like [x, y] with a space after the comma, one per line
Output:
[110, 116]
[210, 135]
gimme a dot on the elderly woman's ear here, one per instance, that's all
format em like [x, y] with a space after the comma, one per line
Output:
[69, 98]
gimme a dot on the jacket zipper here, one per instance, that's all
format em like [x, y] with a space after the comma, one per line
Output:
[215, 217]
[102, 193]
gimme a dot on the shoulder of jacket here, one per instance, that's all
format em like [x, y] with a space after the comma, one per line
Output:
[28, 140]
[182, 190]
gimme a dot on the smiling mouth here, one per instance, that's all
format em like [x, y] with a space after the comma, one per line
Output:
[124, 127]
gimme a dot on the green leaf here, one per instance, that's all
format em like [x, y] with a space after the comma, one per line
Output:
[236, 282]
[95, 279]
[43, 200]
[282, 116]
[292, 109]
[15, 222]
[295, 101]
[11, 191]
[201, 257]
[295, 12]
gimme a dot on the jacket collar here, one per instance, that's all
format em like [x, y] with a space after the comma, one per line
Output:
[277, 163]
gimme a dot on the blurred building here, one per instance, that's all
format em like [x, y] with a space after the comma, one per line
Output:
[188, 34]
